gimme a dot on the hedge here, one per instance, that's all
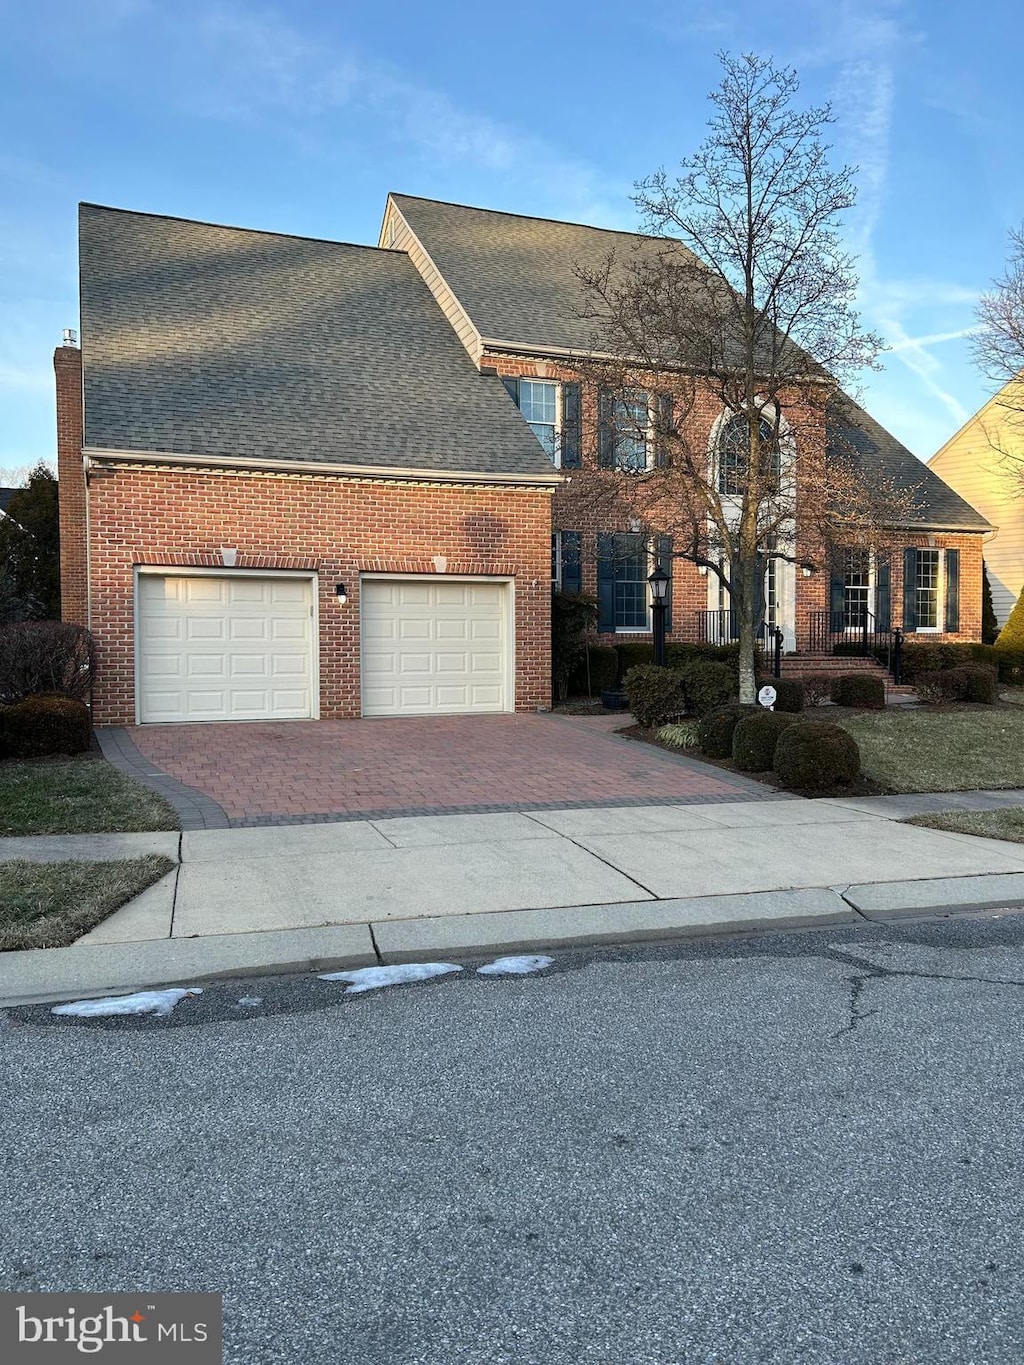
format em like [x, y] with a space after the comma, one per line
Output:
[715, 729]
[755, 738]
[45, 657]
[859, 689]
[814, 756]
[789, 692]
[706, 685]
[43, 725]
[655, 694]
[604, 670]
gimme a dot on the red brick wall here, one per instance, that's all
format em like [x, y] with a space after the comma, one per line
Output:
[689, 589]
[67, 364]
[339, 526]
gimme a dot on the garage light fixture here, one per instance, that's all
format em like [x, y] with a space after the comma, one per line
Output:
[341, 592]
[228, 556]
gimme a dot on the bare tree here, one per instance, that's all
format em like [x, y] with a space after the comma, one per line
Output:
[738, 312]
[998, 350]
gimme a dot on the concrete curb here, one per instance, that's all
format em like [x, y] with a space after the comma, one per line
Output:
[984, 891]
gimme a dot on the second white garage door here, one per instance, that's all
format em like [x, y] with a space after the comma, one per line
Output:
[237, 647]
[435, 646]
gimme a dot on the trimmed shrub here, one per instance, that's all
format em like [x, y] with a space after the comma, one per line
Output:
[43, 725]
[755, 738]
[706, 685]
[789, 693]
[715, 728]
[981, 685]
[604, 670]
[1010, 663]
[866, 690]
[43, 657]
[989, 624]
[930, 687]
[1012, 634]
[814, 756]
[3, 730]
[817, 688]
[634, 655]
[655, 695]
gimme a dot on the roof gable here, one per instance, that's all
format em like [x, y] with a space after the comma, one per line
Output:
[215, 341]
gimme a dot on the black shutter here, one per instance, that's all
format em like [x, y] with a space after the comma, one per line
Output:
[605, 429]
[662, 429]
[836, 595]
[665, 563]
[570, 426]
[511, 387]
[910, 590]
[952, 591]
[572, 567]
[883, 595]
[606, 583]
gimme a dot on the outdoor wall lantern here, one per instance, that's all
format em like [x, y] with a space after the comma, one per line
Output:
[341, 592]
[806, 570]
[702, 569]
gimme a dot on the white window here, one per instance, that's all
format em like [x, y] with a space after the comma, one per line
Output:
[856, 588]
[631, 421]
[538, 402]
[556, 558]
[926, 590]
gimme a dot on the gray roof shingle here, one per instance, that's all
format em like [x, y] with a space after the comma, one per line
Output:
[515, 278]
[852, 431]
[219, 341]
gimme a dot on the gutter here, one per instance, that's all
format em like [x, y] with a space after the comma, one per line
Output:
[98, 457]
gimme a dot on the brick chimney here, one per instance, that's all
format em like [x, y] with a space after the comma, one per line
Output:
[67, 364]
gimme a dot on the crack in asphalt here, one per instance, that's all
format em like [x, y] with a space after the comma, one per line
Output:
[875, 972]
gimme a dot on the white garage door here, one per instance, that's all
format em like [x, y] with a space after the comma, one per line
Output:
[434, 646]
[231, 648]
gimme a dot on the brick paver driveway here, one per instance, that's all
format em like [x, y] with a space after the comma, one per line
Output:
[269, 773]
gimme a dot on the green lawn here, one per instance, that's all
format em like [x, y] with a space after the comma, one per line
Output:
[989, 824]
[950, 749]
[77, 796]
[49, 905]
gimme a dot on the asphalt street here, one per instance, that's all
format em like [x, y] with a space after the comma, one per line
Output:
[801, 1148]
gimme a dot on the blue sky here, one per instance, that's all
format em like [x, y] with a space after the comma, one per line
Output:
[299, 117]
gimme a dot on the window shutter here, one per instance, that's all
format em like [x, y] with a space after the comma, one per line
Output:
[953, 591]
[662, 429]
[910, 589]
[665, 563]
[605, 583]
[605, 429]
[570, 426]
[836, 596]
[512, 387]
[572, 568]
[883, 595]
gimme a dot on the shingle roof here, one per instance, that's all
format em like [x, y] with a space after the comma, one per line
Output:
[852, 430]
[516, 276]
[218, 341]
[5, 496]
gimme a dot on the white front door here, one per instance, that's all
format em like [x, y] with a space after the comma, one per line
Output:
[435, 646]
[224, 647]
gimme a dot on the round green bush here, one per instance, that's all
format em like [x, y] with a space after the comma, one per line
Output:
[815, 756]
[715, 728]
[859, 689]
[789, 692]
[755, 737]
[47, 724]
[655, 695]
[980, 684]
[707, 684]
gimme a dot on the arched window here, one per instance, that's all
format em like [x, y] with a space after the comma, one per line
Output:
[734, 454]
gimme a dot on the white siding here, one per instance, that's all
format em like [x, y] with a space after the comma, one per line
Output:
[397, 235]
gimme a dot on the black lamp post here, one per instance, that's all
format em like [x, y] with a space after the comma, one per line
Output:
[659, 581]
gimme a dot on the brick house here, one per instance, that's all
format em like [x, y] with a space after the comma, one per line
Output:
[509, 287]
[291, 493]
[293, 485]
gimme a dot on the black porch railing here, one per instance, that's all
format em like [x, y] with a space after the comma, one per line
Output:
[835, 632]
[722, 627]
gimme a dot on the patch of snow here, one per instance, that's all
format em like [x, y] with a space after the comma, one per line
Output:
[372, 978]
[250, 1002]
[514, 966]
[159, 1003]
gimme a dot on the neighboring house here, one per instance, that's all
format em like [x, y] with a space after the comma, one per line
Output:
[509, 287]
[974, 463]
[5, 496]
[293, 484]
